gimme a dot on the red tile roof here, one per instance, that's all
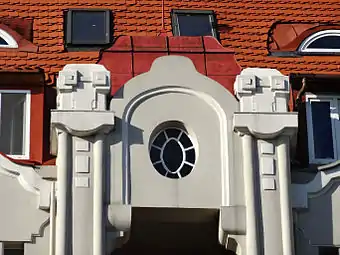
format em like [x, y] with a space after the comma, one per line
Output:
[243, 25]
[133, 55]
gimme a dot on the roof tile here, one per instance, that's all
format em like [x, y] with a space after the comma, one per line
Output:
[249, 22]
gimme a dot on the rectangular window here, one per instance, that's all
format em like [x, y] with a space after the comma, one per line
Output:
[87, 28]
[15, 123]
[13, 248]
[193, 23]
[323, 125]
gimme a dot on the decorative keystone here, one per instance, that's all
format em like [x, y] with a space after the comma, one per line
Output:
[245, 84]
[279, 83]
[262, 90]
[67, 79]
[100, 79]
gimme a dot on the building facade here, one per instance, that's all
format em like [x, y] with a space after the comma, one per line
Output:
[161, 127]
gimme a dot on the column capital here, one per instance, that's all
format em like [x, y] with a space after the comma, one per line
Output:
[263, 95]
[82, 99]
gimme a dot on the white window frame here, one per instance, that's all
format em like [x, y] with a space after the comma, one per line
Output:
[27, 129]
[334, 115]
[12, 43]
[309, 40]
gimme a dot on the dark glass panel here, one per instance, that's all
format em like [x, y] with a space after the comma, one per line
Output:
[322, 130]
[172, 155]
[190, 156]
[89, 27]
[2, 41]
[160, 140]
[186, 169]
[327, 42]
[185, 141]
[160, 168]
[172, 132]
[194, 24]
[155, 154]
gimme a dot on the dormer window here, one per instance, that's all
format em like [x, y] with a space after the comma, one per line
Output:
[6, 40]
[323, 42]
[88, 29]
[193, 23]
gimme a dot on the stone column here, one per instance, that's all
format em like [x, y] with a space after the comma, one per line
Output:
[82, 122]
[264, 117]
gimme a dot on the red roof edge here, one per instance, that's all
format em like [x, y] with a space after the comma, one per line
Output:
[132, 55]
[168, 43]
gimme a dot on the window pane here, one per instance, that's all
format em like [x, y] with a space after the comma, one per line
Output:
[327, 42]
[88, 27]
[322, 130]
[2, 41]
[12, 123]
[194, 24]
[328, 251]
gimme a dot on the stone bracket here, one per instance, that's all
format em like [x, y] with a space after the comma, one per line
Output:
[83, 123]
[119, 216]
[233, 220]
[266, 125]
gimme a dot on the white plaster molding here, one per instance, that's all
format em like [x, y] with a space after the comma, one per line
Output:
[170, 75]
[266, 125]
[159, 80]
[320, 184]
[83, 87]
[175, 89]
[262, 90]
[77, 122]
[29, 179]
[119, 216]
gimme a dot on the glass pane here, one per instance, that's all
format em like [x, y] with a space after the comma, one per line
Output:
[160, 140]
[172, 155]
[12, 123]
[2, 41]
[194, 24]
[88, 27]
[327, 42]
[322, 130]
[172, 132]
[328, 251]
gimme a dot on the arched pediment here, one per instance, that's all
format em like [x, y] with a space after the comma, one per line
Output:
[11, 40]
[6, 40]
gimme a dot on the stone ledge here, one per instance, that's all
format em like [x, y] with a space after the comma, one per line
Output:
[83, 123]
[266, 125]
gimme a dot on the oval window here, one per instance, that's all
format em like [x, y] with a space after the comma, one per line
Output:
[172, 153]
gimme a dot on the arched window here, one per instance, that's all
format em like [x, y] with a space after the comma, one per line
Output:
[326, 41]
[6, 40]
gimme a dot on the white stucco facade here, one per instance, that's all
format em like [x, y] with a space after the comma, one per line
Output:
[105, 176]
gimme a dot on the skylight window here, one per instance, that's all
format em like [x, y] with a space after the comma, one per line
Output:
[326, 41]
[88, 28]
[193, 23]
[6, 40]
